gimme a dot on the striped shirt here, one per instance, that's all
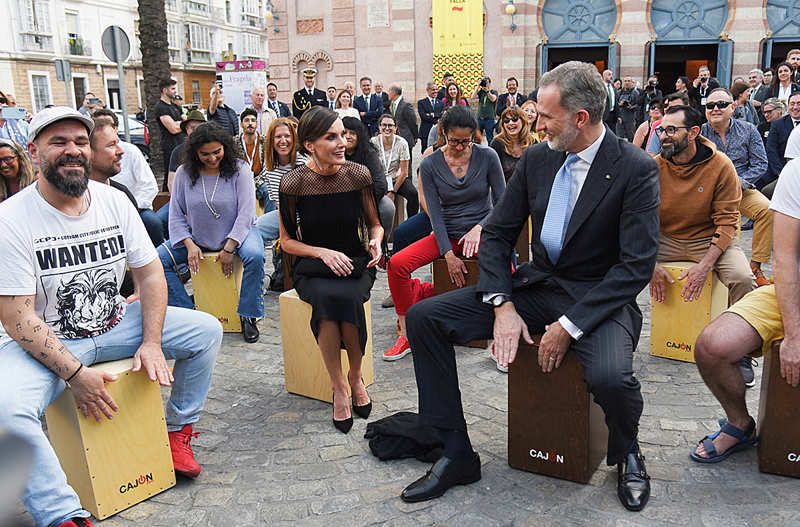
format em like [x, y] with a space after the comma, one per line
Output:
[273, 177]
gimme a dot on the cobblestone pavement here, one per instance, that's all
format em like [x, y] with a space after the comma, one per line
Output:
[271, 459]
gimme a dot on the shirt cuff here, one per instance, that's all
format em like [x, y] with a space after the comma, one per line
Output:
[488, 297]
[574, 331]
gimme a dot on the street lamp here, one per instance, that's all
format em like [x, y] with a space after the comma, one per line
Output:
[511, 9]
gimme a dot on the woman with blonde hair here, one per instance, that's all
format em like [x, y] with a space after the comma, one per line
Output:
[15, 168]
[513, 139]
[531, 114]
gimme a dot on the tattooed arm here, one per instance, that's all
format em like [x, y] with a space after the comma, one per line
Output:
[34, 336]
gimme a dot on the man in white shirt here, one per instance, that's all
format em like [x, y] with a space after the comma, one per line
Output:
[265, 114]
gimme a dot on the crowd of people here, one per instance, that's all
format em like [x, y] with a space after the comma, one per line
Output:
[616, 180]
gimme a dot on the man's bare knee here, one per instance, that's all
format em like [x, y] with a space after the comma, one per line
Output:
[728, 338]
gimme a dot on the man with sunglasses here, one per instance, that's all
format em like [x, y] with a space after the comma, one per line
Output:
[699, 210]
[741, 142]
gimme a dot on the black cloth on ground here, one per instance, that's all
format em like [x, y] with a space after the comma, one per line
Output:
[401, 436]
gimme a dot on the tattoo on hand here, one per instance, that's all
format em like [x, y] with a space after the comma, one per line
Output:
[18, 326]
[48, 344]
[26, 340]
[28, 302]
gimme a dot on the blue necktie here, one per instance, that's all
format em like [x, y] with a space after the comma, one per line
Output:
[558, 211]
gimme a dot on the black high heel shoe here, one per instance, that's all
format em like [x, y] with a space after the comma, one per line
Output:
[344, 425]
[363, 411]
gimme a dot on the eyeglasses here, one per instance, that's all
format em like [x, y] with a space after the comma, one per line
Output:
[511, 119]
[669, 130]
[7, 160]
[456, 142]
[717, 104]
[387, 126]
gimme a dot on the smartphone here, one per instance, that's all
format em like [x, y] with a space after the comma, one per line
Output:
[94, 100]
[13, 113]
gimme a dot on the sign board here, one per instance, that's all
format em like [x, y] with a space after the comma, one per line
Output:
[239, 77]
[63, 70]
[110, 48]
[378, 13]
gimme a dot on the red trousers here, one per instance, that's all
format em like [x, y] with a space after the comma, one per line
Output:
[405, 291]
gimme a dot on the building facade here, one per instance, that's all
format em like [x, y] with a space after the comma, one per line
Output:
[391, 40]
[200, 33]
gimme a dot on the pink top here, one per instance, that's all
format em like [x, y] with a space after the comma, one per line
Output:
[463, 102]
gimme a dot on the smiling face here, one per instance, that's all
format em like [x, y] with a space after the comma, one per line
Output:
[345, 100]
[554, 120]
[366, 86]
[106, 152]
[387, 126]
[529, 108]
[378, 87]
[9, 163]
[452, 91]
[282, 143]
[351, 138]
[64, 155]
[753, 79]
[330, 148]
[784, 74]
[771, 112]
[512, 124]
[257, 96]
[720, 116]
[511, 86]
[672, 146]
[211, 154]
[249, 124]
[794, 105]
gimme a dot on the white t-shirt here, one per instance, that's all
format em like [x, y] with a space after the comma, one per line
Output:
[137, 176]
[793, 144]
[74, 265]
[786, 198]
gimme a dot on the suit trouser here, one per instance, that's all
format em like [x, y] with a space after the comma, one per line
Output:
[409, 191]
[755, 206]
[606, 354]
[731, 266]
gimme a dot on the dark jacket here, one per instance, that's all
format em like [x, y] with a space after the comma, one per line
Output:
[406, 120]
[282, 106]
[611, 242]
[226, 117]
[776, 146]
[302, 101]
[502, 102]
[371, 114]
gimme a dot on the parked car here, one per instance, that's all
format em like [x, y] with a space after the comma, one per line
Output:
[139, 134]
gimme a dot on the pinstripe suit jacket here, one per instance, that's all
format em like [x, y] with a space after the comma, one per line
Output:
[611, 242]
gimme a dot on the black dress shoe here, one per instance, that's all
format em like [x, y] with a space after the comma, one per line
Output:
[249, 329]
[444, 474]
[344, 425]
[633, 483]
[364, 410]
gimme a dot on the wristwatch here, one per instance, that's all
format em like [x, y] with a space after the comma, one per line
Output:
[499, 300]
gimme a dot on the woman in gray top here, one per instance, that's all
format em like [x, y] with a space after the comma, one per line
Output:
[458, 180]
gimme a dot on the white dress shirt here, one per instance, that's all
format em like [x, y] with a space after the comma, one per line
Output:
[137, 176]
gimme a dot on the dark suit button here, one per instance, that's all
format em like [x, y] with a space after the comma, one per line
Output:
[525, 280]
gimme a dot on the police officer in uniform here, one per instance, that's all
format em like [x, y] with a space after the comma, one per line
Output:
[309, 96]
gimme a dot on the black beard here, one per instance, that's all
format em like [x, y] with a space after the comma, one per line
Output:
[72, 187]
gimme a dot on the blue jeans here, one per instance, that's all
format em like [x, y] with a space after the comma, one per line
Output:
[163, 215]
[269, 227]
[192, 338]
[413, 229]
[487, 127]
[262, 195]
[154, 226]
[251, 295]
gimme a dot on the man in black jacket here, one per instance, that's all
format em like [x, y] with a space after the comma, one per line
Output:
[304, 98]
[430, 110]
[280, 108]
[511, 98]
[595, 242]
[405, 118]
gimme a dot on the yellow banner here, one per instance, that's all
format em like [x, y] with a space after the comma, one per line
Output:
[458, 41]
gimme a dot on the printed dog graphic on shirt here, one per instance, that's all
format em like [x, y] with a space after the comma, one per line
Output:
[87, 303]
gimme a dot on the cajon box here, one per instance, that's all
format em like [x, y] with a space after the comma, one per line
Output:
[216, 294]
[675, 324]
[778, 428]
[442, 284]
[554, 426]
[303, 369]
[161, 199]
[114, 464]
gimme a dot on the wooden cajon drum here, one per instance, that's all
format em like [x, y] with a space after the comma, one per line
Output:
[523, 246]
[114, 464]
[778, 428]
[303, 369]
[554, 426]
[675, 324]
[161, 199]
[216, 294]
[442, 284]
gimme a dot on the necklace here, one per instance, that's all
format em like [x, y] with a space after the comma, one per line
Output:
[210, 206]
[87, 200]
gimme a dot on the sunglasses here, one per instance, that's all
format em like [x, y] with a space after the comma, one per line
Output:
[7, 160]
[512, 119]
[717, 104]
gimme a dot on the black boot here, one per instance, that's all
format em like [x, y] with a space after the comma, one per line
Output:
[249, 329]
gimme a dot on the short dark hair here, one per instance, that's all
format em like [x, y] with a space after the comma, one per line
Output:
[793, 94]
[314, 124]
[782, 64]
[387, 116]
[210, 132]
[677, 96]
[100, 124]
[658, 101]
[272, 84]
[512, 79]
[105, 112]
[459, 117]
[691, 117]
[362, 79]
[685, 80]
[363, 146]
[248, 111]
[166, 83]
[88, 93]
[448, 74]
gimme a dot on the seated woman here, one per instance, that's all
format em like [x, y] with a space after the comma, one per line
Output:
[513, 139]
[212, 208]
[458, 180]
[15, 168]
[344, 105]
[393, 151]
[329, 223]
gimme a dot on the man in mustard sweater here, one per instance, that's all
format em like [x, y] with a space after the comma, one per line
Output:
[699, 211]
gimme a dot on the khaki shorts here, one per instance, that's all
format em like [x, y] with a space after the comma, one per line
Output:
[759, 308]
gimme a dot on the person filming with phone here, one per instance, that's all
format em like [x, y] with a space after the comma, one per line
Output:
[91, 103]
[13, 125]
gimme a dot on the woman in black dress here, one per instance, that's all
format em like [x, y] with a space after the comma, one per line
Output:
[330, 228]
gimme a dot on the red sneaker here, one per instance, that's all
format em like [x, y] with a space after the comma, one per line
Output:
[77, 522]
[400, 349]
[182, 455]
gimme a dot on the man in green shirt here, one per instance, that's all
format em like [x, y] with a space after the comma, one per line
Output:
[486, 100]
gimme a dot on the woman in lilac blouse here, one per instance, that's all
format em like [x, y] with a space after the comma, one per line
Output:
[212, 208]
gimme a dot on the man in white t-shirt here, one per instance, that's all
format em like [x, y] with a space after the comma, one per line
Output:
[752, 325]
[65, 243]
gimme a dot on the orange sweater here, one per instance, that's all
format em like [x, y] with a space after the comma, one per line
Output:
[700, 200]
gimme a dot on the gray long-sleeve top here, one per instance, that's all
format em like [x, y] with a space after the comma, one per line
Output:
[456, 205]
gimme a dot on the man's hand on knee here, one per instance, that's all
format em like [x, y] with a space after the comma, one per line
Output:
[508, 326]
[152, 358]
[658, 284]
[790, 361]
[554, 345]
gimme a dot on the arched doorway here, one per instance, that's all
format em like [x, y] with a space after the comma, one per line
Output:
[783, 21]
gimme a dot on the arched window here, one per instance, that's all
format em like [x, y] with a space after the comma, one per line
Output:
[582, 21]
[688, 19]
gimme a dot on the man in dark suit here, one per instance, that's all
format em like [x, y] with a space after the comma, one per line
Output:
[511, 98]
[404, 118]
[760, 91]
[308, 96]
[610, 111]
[369, 106]
[383, 95]
[778, 135]
[595, 241]
[280, 108]
[430, 110]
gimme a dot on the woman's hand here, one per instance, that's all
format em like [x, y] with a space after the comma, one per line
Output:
[338, 262]
[193, 256]
[375, 251]
[226, 260]
[471, 241]
[456, 268]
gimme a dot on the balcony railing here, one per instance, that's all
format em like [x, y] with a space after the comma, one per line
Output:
[78, 46]
[36, 42]
[191, 7]
[249, 20]
[171, 5]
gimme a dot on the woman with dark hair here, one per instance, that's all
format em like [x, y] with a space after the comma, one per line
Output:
[458, 181]
[514, 137]
[745, 110]
[783, 86]
[15, 168]
[682, 84]
[360, 150]
[395, 154]
[329, 225]
[453, 96]
[212, 208]
[344, 105]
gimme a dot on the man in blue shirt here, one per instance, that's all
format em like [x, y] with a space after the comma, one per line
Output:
[13, 129]
[222, 114]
